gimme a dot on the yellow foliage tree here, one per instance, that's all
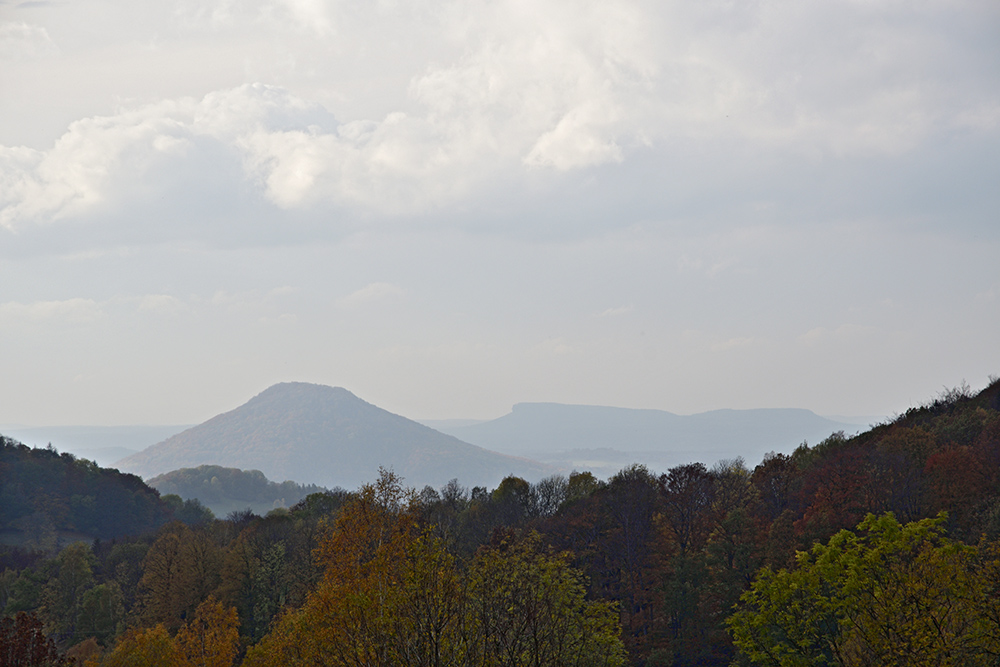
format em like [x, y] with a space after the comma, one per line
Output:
[212, 638]
[392, 596]
[349, 619]
[153, 647]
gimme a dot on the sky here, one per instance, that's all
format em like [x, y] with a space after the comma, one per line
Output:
[450, 207]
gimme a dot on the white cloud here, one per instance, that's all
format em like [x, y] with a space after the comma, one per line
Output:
[77, 174]
[518, 88]
[985, 117]
[731, 344]
[814, 335]
[164, 304]
[370, 293]
[614, 312]
[309, 16]
[68, 311]
[254, 302]
[23, 41]
[576, 140]
[555, 346]
[841, 333]
[989, 295]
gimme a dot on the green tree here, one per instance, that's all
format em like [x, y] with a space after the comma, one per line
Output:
[62, 597]
[892, 595]
[102, 613]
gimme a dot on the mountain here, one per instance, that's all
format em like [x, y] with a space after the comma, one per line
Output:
[604, 439]
[315, 434]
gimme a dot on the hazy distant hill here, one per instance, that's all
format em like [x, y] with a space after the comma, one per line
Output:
[604, 439]
[315, 434]
[224, 490]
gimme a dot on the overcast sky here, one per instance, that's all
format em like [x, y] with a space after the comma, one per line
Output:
[449, 207]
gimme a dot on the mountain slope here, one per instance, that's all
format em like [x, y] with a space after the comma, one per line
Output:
[314, 434]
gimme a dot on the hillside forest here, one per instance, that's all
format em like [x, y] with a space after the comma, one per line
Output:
[877, 549]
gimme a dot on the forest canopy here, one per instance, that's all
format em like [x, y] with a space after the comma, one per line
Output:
[880, 548]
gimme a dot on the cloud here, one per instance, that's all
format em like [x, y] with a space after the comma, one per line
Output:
[555, 346]
[82, 310]
[615, 312]
[164, 304]
[108, 158]
[23, 41]
[730, 344]
[842, 333]
[309, 16]
[989, 295]
[515, 92]
[68, 311]
[370, 293]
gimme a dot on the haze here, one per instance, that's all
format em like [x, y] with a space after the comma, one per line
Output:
[452, 207]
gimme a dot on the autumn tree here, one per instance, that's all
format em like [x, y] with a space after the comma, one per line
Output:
[180, 570]
[631, 549]
[687, 494]
[392, 595]
[732, 546]
[528, 607]
[212, 637]
[704, 581]
[24, 644]
[151, 647]
[580, 485]
[442, 514]
[548, 494]
[348, 619]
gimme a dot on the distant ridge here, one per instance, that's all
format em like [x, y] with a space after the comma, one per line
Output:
[315, 434]
[604, 439]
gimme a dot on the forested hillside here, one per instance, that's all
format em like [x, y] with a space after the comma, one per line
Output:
[697, 565]
[47, 498]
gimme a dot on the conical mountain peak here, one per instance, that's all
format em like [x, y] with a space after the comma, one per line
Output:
[317, 434]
